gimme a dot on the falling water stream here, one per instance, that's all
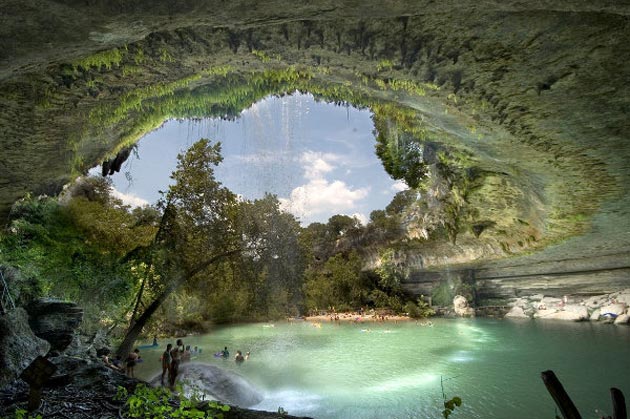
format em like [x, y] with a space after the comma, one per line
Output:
[318, 158]
[393, 370]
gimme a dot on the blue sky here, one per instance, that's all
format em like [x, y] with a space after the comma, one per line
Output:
[317, 158]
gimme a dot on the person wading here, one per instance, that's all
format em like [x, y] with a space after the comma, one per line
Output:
[176, 356]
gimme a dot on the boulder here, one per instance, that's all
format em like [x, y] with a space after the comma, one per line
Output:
[95, 345]
[622, 319]
[581, 311]
[615, 308]
[222, 385]
[595, 315]
[517, 312]
[623, 297]
[595, 301]
[18, 345]
[563, 315]
[520, 302]
[549, 302]
[460, 305]
[54, 321]
[545, 313]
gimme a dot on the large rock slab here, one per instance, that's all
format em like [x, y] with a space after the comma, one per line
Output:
[615, 309]
[623, 297]
[18, 345]
[55, 321]
[563, 315]
[517, 313]
[622, 319]
[580, 311]
[596, 301]
[224, 386]
[545, 313]
[595, 315]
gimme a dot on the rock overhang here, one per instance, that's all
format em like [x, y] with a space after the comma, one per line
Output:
[533, 98]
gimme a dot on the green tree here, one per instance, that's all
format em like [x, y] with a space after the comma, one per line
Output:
[277, 268]
[340, 283]
[198, 228]
[66, 247]
[391, 270]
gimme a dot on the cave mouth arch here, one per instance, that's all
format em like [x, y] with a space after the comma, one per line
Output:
[424, 84]
[316, 157]
[420, 139]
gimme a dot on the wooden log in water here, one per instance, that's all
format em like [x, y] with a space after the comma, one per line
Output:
[619, 404]
[560, 396]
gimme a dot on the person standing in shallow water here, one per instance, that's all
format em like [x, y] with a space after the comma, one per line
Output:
[239, 358]
[166, 362]
[176, 356]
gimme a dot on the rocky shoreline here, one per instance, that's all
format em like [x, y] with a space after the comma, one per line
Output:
[82, 386]
[610, 308]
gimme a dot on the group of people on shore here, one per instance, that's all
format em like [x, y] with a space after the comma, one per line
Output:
[127, 366]
[172, 357]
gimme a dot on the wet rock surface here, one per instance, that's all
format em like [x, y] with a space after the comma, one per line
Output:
[221, 385]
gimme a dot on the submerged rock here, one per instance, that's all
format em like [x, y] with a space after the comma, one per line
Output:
[224, 386]
[18, 345]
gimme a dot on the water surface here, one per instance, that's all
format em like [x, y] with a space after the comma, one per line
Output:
[393, 370]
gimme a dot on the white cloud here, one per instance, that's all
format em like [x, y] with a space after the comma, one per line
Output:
[361, 217]
[319, 195]
[129, 199]
[316, 165]
[399, 186]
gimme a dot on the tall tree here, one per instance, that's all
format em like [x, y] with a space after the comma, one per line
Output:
[276, 271]
[198, 228]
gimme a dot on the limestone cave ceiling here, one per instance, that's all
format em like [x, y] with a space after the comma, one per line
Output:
[520, 109]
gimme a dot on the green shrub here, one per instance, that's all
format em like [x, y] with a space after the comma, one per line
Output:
[159, 402]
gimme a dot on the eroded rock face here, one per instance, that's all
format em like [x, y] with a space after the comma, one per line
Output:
[93, 346]
[55, 321]
[18, 345]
